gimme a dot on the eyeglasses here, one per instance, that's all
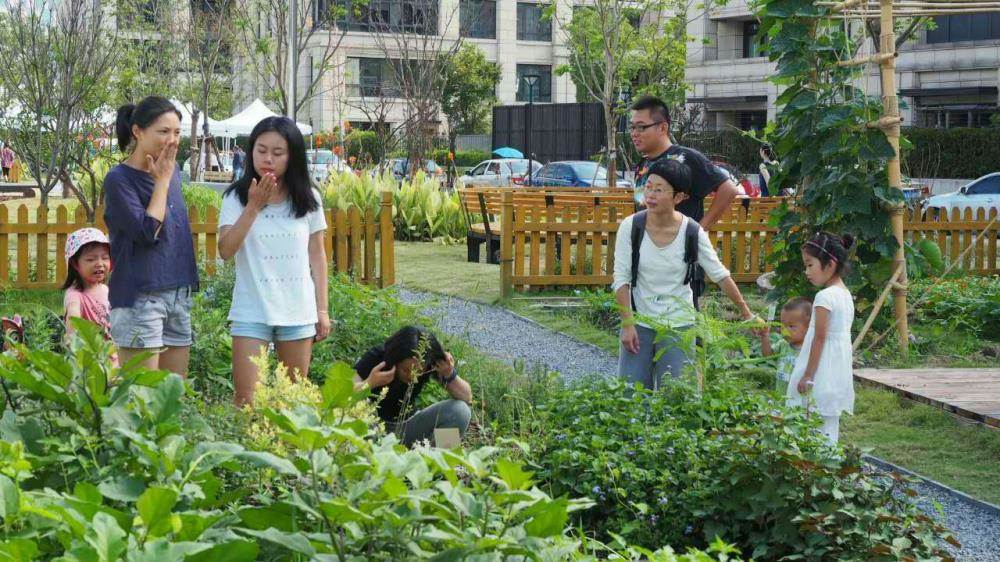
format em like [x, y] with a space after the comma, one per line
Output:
[657, 191]
[634, 127]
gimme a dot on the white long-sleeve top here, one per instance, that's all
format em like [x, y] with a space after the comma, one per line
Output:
[660, 291]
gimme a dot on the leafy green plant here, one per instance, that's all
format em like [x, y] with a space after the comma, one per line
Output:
[99, 463]
[201, 197]
[835, 163]
[969, 303]
[674, 467]
[463, 158]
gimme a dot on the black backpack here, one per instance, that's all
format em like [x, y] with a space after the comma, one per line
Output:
[694, 276]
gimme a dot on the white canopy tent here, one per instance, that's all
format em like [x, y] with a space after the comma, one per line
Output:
[241, 124]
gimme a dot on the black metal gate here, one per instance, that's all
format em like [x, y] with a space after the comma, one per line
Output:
[559, 131]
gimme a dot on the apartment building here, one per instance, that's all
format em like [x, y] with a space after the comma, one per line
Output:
[510, 32]
[947, 76]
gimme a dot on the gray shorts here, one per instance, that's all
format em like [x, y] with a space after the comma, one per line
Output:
[155, 320]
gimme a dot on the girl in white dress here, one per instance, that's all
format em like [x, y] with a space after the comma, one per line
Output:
[823, 376]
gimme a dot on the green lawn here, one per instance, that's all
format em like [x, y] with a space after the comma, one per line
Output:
[443, 269]
[921, 438]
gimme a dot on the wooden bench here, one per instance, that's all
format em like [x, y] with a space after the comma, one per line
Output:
[482, 208]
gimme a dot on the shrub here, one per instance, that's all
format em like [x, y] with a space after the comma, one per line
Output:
[421, 211]
[950, 153]
[201, 197]
[101, 463]
[682, 469]
[968, 303]
[463, 158]
[363, 147]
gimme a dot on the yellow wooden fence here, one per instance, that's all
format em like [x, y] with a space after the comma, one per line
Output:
[575, 246]
[357, 243]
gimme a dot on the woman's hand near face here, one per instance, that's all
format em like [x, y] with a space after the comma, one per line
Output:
[162, 166]
[260, 192]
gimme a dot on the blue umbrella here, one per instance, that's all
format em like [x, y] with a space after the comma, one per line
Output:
[508, 152]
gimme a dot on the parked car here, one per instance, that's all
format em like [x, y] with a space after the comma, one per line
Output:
[322, 162]
[399, 168]
[983, 193]
[576, 173]
[499, 173]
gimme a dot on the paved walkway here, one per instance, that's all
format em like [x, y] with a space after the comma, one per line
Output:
[969, 393]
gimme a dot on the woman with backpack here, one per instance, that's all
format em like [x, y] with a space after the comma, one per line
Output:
[657, 254]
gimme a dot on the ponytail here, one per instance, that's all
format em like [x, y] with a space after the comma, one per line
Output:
[123, 126]
[143, 114]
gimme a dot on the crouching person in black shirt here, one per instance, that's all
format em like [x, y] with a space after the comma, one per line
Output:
[400, 368]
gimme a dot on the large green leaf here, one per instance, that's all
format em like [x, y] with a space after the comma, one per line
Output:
[513, 474]
[123, 489]
[338, 388]
[10, 498]
[18, 550]
[280, 515]
[296, 542]
[549, 518]
[155, 507]
[232, 551]
[106, 537]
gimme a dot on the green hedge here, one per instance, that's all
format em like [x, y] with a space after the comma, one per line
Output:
[951, 153]
[933, 153]
[463, 158]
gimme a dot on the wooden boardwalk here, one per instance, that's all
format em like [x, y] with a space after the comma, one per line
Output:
[969, 393]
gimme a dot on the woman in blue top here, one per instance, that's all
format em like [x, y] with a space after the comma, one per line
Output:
[151, 244]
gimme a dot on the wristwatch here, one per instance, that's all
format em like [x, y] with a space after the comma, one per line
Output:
[451, 379]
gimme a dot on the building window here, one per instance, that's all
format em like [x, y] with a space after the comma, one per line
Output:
[965, 27]
[371, 78]
[531, 26]
[543, 88]
[404, 16]
[957, 116]
[751, 120]
[753, 41]
[478, 19]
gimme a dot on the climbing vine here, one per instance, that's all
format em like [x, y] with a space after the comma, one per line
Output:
[835, 163]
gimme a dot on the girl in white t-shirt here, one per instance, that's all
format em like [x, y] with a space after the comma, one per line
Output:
[272, 221]
[823, 374]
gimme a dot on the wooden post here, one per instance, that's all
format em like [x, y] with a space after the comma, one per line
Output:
[507, 245]
[387, 265]
[890, 112]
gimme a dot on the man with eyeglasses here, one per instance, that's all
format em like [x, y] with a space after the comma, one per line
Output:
[650, 129]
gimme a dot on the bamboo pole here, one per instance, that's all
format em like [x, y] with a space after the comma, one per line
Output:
[890, 110]
[876, 308]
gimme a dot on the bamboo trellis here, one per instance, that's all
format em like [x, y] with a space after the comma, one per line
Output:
[886, 11]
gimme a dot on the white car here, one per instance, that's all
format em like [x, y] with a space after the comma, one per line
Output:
[983, 193]
[503, 172]
[322, 162]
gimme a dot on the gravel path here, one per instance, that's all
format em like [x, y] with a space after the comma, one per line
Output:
[503, 335]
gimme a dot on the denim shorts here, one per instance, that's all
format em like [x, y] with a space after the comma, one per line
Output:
[263, 332]
[156, 319]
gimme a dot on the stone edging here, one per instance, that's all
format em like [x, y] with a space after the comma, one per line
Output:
[962, 496]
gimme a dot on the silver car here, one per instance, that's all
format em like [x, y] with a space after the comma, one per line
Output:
[503, 172]
[322, 162]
